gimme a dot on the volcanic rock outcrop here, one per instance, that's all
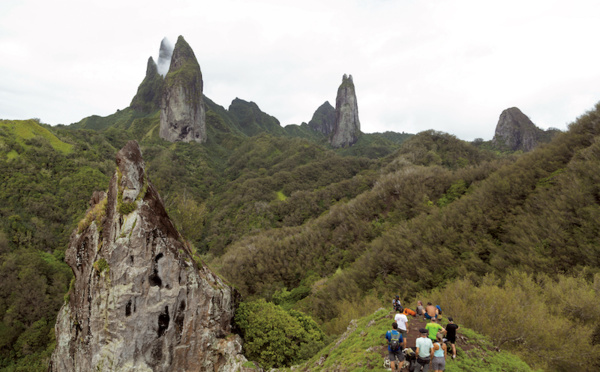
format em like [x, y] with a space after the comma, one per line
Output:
[347, 125]
[149, 93]
[139, 300]
[323, 119]
[516, 131]
[182, 112]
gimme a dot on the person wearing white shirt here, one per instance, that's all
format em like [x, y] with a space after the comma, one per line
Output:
[402, 321]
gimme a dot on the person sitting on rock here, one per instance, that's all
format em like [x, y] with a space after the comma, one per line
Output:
[420, 309]
[431, 311]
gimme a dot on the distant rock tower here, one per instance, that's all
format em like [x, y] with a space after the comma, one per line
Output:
[347, 125]
[516, 131]
[182, 113]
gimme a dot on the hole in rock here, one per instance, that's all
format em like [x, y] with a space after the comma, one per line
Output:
[163, 322]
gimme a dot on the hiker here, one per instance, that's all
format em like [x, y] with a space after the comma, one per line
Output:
[396, 303]
[434, 328]
[451, 335]
[395, 345]
[430, 311]
[402, 322]
[424, 351]
[438, 362]
[420, 309]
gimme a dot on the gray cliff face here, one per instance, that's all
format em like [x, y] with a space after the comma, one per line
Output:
[182, 113]
[139, 301]
[516, 131]
[323, 119]
[347, 125]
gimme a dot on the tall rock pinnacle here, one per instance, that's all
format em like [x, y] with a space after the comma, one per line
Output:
[516, 131]
[149, 92]
[182, 115]
[347, 125]
[139, 301]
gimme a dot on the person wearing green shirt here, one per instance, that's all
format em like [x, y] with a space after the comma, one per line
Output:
[434, 327]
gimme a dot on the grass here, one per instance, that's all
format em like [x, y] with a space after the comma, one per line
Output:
[27, 129]
[363, 348]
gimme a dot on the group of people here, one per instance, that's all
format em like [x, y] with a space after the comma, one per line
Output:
[430, 346]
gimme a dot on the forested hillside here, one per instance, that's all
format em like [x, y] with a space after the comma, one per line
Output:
[287, 219]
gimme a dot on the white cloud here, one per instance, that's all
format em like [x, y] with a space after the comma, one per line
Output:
[450, 66]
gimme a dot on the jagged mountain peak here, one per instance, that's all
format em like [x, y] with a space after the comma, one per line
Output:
[516, 131]
[182, 116]
[323, 120]
[148, 96]
[139, 300]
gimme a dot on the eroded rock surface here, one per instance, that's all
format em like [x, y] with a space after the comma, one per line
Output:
[139, 300]
[515, 131]
[323, 119]
[347, 125]
[182, 112]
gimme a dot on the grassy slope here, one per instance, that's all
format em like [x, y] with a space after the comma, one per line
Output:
[363, 348]
[27, 129]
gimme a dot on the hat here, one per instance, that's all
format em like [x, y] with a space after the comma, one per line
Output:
[423, 330]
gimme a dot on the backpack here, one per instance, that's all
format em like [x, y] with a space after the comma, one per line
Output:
[395, 341]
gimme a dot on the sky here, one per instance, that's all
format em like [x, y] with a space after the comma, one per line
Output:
[451, 66]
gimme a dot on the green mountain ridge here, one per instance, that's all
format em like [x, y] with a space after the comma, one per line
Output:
[329, 232]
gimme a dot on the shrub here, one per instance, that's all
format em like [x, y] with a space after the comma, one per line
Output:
[277, 338]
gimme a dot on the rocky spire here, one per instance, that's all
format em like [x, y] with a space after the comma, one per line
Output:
[516, 131]
[323, 119]
[182, 115]
[139, 300]
[149, 92]
[347, 125]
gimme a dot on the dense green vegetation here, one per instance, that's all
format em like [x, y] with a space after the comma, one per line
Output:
[276, 338]
[297, 226]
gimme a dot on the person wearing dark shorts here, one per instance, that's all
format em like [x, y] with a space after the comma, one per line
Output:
[396, 356]
[451, 335]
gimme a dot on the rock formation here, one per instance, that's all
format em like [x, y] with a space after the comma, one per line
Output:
[515, 131]
[149, 93]
[347, 125]
[323, 119]
[182, 115]
[251, 120]
[139, 300]
[164, 56]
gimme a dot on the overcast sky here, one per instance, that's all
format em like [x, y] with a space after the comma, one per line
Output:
[451, 66]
